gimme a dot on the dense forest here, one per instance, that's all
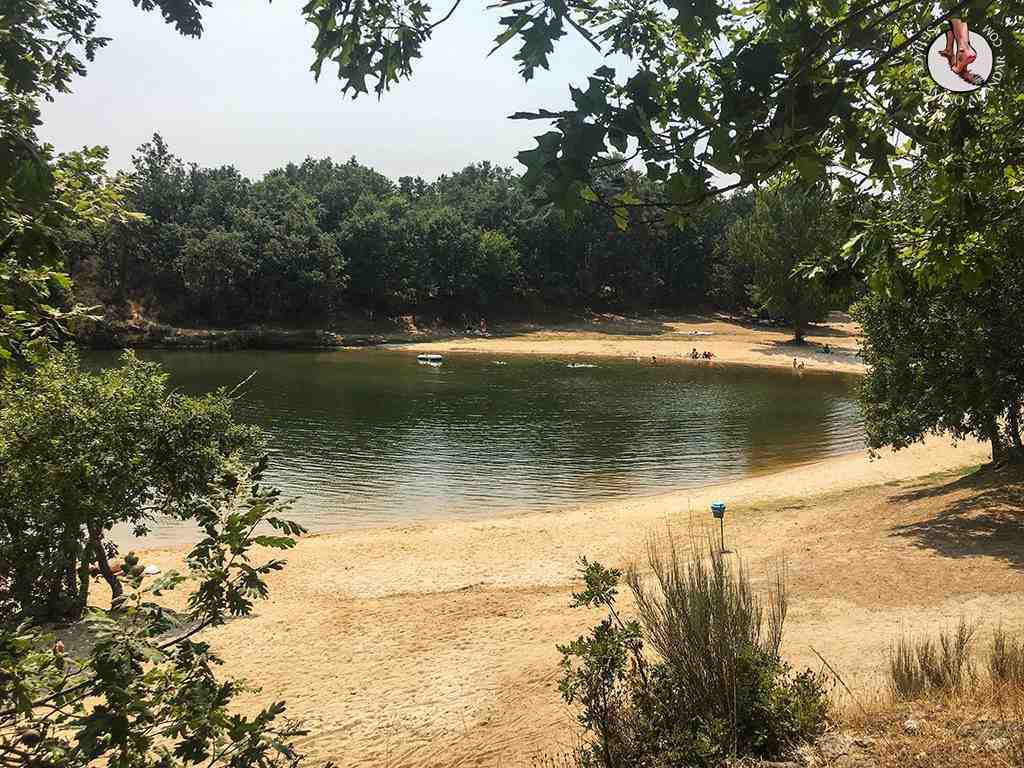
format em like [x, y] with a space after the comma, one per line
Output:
[318, 241]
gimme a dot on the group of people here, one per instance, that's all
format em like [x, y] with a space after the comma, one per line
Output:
[705, 355]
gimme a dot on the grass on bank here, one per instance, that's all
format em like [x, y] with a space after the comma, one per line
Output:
[953, 702]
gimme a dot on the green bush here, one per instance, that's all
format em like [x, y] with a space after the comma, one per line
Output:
[83, 451]
[715, 685]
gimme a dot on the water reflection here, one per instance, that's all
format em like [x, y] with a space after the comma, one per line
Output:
[368, 437]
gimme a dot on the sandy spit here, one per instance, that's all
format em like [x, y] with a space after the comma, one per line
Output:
[434, 644]
[671, 339]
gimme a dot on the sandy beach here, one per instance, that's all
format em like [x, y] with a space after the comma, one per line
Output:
[671, 339]
[435, 644]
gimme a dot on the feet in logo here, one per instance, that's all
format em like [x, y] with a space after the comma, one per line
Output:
[959, 53]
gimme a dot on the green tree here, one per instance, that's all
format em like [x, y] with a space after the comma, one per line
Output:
[144, 692]
[379, 243]
[497, 268]
[81, 452]
[787, 227]
[44, 45]
[336, 186]
[952, 201]
[947, 359]
[720, 88]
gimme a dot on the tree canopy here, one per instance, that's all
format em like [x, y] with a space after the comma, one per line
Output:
[947, 359]
[318, 241]
[788, 225]
[734, 90]
[81, 452]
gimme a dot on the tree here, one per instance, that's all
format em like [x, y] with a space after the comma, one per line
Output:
[712, 89]
[497, 268]
[81, 452]
[144, 693]
[952, 202]
[42, 45]
[336, 187]
[787, 227]
[947, 359]
[379, 243]
[141, 698]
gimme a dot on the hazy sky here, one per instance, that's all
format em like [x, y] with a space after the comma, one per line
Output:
[243, 94]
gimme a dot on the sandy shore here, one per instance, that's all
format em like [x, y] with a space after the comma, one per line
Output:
[434, 644]
[671, 339]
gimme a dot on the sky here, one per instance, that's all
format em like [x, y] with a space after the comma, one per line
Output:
[242, 94]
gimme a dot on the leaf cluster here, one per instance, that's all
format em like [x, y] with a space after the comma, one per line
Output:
[146, 693]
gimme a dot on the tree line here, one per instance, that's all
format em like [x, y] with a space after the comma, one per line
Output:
[318, 241]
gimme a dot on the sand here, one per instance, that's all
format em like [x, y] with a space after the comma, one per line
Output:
[434, 644]
[670, 339]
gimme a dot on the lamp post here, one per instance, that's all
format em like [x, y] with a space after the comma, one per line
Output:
[718, 511]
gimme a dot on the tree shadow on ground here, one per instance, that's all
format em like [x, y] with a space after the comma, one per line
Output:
[611, 324]
[809, 349]
[813, 329]
[981, 514]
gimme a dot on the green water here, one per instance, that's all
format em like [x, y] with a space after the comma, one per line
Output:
[371, 436]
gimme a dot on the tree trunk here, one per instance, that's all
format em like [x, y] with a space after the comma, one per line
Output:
[1013, 427]
[998, 448]
[82, 596]
[96, 543]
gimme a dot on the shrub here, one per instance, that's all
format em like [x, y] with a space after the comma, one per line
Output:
[716, 685]
[82, 451]
[145, 692]
[919, 665]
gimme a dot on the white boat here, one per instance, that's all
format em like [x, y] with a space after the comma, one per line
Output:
[429, 358]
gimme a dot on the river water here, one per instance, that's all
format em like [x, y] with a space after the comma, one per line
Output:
[368, 437]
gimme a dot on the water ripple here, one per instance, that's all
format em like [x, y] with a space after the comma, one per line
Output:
[368, 437]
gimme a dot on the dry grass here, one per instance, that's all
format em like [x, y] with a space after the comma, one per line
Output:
[920, 665]
[1006, 659]
[938, 713]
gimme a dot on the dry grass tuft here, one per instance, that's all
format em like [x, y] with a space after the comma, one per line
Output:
[940, 714]
[1006, 659]
[920, 665]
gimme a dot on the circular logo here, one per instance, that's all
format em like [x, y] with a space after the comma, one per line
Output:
[958, 68]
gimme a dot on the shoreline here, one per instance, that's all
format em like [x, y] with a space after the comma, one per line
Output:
[666, 337]
[667, 340]
[432, 644]
[512, 514]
